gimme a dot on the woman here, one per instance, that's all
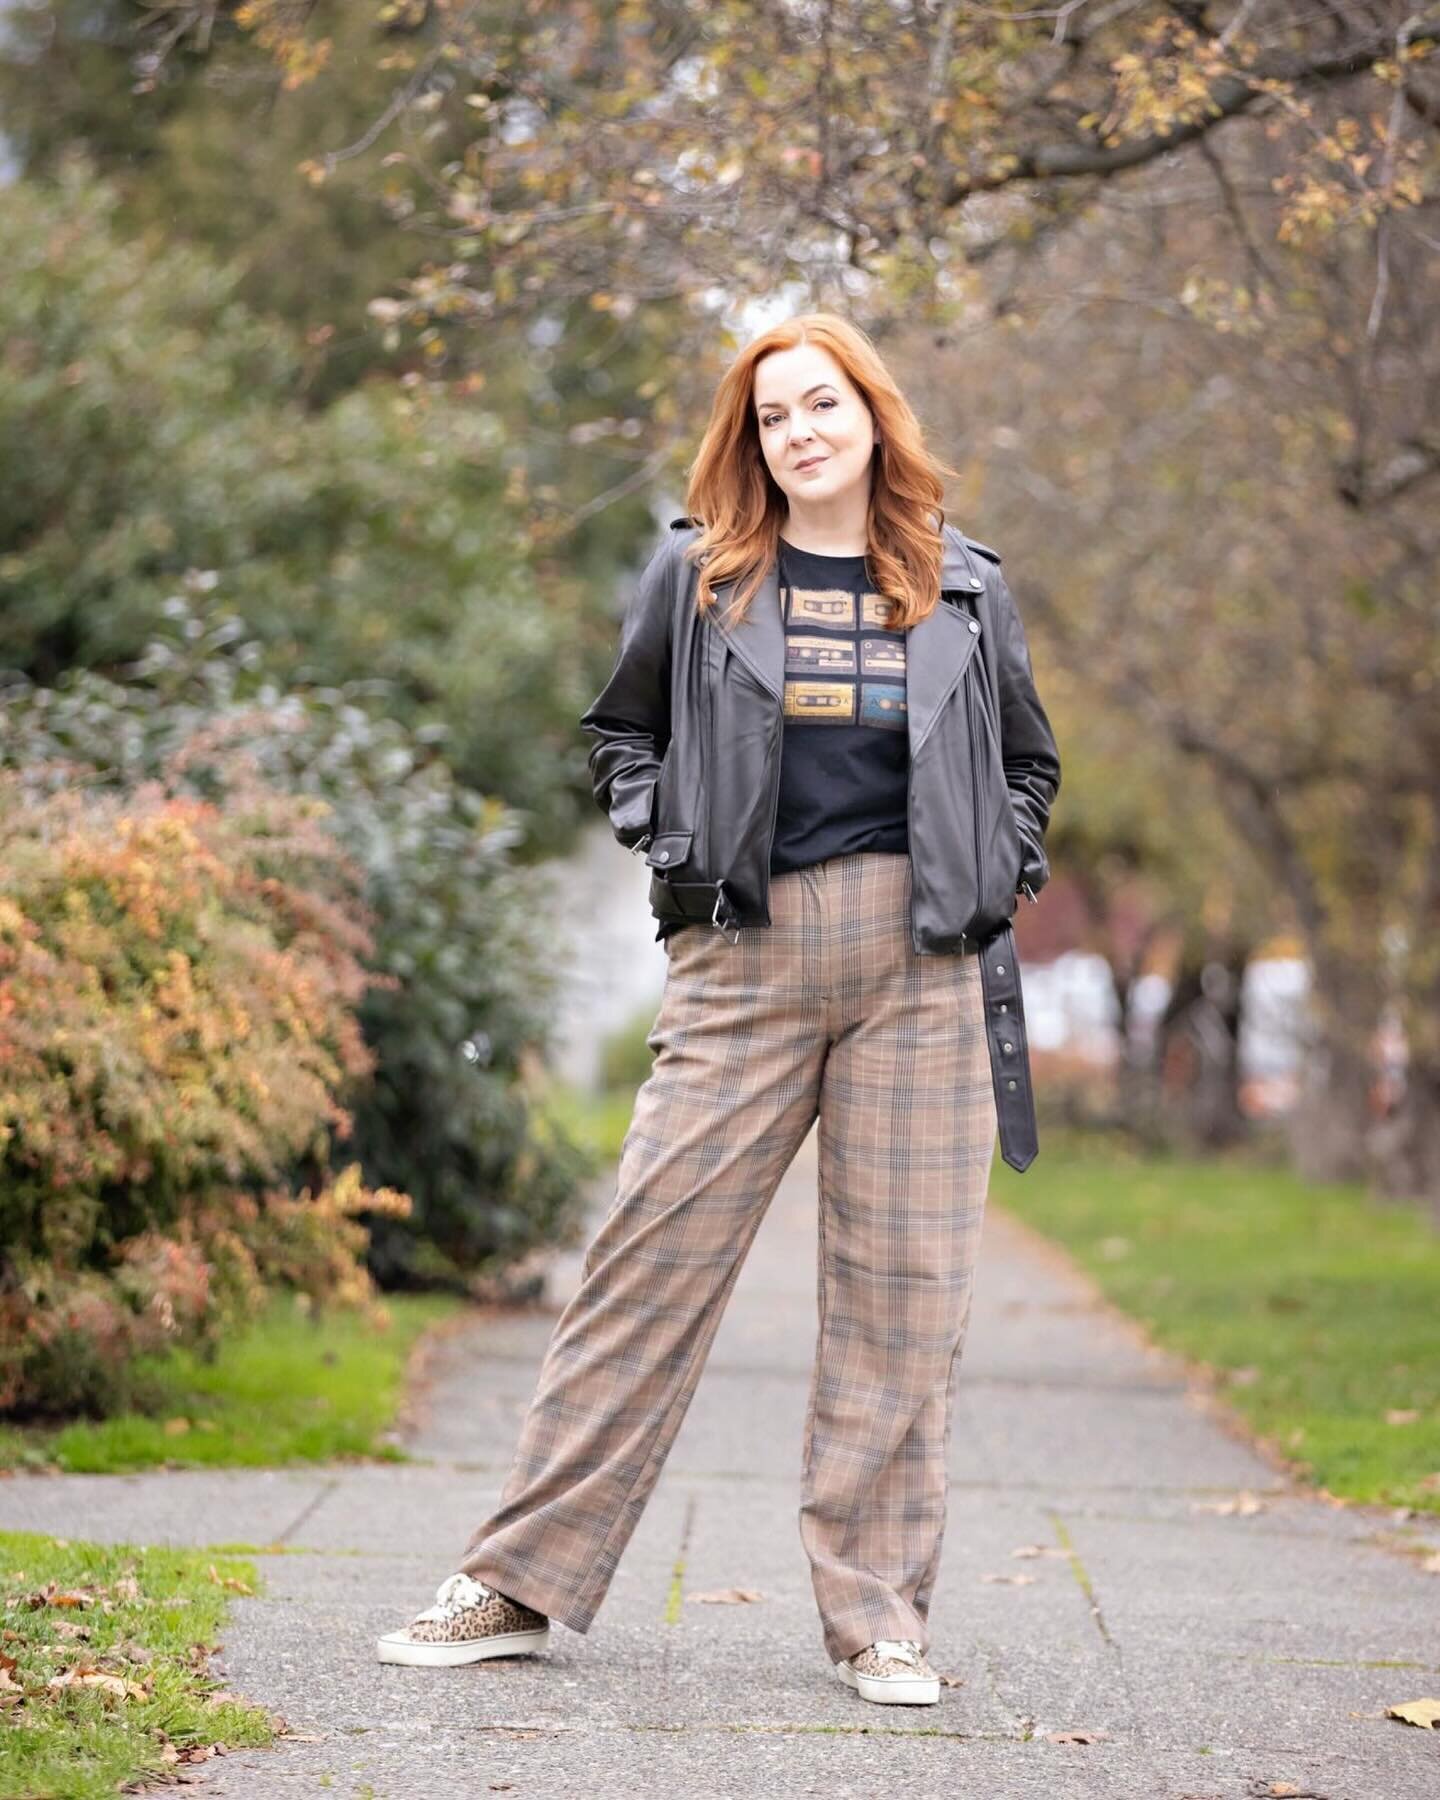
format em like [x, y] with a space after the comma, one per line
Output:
[841, 778]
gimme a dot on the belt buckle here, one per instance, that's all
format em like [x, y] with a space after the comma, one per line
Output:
[715, 916]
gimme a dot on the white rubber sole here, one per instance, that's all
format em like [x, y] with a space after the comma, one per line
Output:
[395, 1647]
[891, 1690]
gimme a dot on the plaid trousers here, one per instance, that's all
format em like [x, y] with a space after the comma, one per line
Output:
[828, 1011]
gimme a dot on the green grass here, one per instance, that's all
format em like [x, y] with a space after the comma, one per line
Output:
[1328, 1303]
[597, 1120]
[289, 1389]
[141, 1617]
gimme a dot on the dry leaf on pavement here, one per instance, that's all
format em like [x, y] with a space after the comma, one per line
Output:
[1243, 1504]
[1425, 1713]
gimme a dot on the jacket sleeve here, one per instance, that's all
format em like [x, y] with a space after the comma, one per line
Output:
[1027, 744]
[630, 717]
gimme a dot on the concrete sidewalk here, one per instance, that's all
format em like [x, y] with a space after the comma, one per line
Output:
[1219, 1656]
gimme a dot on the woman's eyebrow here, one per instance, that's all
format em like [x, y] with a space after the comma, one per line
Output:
[764, 404]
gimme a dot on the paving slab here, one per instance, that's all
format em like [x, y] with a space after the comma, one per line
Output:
[1192, 1654]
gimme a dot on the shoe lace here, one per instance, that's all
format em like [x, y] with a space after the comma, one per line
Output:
[903, 1649]
[454, 1595]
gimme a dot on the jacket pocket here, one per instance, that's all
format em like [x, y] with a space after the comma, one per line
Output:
[669, 850]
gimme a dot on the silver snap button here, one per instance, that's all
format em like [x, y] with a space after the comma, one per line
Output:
[999, 968]
[1010, 1084]
[662, 856]
[1009, 1046]
[974, 625]
[976, 582]
[1004, 1006]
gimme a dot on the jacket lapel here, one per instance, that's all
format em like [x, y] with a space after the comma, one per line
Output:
[937, 651]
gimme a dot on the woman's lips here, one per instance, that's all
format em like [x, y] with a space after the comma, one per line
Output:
[813, 463]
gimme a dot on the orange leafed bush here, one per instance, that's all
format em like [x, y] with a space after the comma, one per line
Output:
[178, 1034]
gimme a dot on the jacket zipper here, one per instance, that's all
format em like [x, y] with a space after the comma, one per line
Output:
[1024, 887]
[774, 806]
[975, 785]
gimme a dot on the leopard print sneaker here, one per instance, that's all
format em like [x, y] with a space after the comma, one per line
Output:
[468, 1622]
[892, 1671]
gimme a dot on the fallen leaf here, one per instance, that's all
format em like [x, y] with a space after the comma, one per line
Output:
[97, 1678]
[1040, 1550]
[1075, 1737]
[1279, 1790]
[75, 1598]
[126, 1588]
[1243, 1504]
[176, 1427]
[68, 1629]
[1402, 1415]
[952, 1680]
[1431, 1564]
[233, 1582]
[1429, 1484]
[1425, 1713]
[1012, 1580]
[725, 1596]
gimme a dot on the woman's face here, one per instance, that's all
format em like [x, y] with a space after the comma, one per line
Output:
[807, 412]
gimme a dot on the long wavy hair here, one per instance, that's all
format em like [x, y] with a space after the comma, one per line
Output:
[740, 508]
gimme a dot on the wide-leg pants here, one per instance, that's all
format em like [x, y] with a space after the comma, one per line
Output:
[828, 1011]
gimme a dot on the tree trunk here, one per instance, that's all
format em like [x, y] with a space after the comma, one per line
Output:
[1407, 1145]
[1199, 1035]
[1329, 1127]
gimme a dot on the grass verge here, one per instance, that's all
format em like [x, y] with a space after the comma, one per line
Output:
[103, 1676]
[289, 1389]
[1316, 1307]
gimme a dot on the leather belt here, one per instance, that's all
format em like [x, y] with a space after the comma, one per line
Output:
[1009, 1048]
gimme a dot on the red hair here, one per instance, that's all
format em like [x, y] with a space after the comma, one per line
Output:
[740, 508]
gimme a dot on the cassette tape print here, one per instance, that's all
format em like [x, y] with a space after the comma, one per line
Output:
[816, 660]
[882, 703]
[834, 607]
[820, 702]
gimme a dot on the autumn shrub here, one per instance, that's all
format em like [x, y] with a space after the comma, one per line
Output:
[179, 985]
[462, 933]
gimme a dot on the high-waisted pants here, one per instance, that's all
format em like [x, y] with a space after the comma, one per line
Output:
[827, 1010]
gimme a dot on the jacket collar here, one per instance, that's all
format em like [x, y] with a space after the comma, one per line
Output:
[938, 648]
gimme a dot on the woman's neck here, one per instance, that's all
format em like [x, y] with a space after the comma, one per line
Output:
[821, 544]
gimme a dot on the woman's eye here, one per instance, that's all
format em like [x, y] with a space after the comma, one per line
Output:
[774, 418]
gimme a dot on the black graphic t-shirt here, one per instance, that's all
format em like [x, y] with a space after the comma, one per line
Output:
[845, 761]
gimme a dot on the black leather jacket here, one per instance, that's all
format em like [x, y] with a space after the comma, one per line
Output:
[686, 763]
